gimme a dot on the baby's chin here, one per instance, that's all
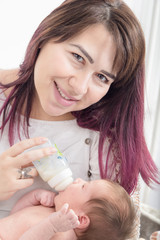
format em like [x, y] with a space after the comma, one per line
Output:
[58, 202]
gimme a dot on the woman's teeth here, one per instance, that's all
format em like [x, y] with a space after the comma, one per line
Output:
[62, 94]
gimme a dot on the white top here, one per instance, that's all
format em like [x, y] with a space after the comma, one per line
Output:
[78, 145]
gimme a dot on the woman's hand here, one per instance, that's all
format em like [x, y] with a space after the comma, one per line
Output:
[14, 160]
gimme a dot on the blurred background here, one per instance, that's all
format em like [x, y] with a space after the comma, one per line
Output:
[18, 21]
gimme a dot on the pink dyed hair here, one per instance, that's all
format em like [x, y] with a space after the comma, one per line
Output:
[118, 115]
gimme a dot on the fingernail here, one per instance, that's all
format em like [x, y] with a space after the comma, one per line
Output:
[52, 150]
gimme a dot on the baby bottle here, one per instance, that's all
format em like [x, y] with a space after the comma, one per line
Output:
[54, 169]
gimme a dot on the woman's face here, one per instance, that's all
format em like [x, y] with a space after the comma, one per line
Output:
[79, 192]
[74, 74]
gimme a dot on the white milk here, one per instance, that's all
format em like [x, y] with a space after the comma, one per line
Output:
[54, 169]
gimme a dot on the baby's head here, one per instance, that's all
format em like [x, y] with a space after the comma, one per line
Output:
[104, 209]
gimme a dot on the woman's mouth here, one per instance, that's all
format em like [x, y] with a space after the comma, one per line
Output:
[63, 98]
[62, 94]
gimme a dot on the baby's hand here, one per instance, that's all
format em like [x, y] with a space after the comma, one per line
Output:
[64, 219]
[45, 198]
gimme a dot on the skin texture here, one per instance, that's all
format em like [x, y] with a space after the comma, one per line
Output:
[27, 212]
[81, 80]
[15, 158]
[25, 219]
[83, 191]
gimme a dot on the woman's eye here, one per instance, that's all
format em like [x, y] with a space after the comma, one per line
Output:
[78, 57]
[102, 78]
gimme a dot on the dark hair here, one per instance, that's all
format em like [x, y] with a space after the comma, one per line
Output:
[111, 218]
[119, 114]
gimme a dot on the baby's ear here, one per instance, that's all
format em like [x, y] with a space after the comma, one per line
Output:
[84, 221]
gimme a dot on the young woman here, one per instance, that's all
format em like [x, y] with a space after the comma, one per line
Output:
[81, 85]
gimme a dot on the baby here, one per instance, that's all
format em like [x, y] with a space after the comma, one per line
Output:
[99, 209]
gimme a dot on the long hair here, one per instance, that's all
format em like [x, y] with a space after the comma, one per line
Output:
[119, 114]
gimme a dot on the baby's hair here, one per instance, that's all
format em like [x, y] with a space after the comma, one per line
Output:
[111, 217]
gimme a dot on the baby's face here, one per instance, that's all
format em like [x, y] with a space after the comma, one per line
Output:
[79, 192]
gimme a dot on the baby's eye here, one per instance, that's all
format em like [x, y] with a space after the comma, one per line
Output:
[102, 78]
[83, 185]
[78, 57]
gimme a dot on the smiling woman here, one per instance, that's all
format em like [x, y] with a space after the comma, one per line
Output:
[81, 82]
[81, 85]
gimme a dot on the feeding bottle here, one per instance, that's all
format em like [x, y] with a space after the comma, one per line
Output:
[54, 169]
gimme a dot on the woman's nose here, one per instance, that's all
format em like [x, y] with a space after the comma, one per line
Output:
[79, 84]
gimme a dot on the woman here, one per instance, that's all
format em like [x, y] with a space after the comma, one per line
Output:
[81, 85]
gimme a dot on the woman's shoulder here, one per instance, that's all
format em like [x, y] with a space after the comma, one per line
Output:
[8, 75]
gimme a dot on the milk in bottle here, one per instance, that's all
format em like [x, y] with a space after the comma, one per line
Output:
[54, 169]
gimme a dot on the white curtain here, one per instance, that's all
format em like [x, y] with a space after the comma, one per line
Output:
[148, 13]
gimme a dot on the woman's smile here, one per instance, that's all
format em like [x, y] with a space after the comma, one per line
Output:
[71, 75]
[62, 97]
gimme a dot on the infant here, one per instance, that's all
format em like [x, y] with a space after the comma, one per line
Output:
[99, 209]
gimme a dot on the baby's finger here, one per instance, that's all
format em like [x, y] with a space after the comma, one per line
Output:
[73, 218]
[75, 224]
[46, 198]
[64, 209]
[20, 147]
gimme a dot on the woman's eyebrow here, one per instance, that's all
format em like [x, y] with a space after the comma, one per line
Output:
[90, 59]
[109, 74]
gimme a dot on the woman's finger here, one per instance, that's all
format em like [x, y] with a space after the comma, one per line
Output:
[6, 195]
[27, 165]
[25, 173]
[23, 183]
[20, 147]
[30, 156]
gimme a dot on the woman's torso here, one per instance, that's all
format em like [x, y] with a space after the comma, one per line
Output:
[79, 146]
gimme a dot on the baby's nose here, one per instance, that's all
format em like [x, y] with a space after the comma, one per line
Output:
[78, 180]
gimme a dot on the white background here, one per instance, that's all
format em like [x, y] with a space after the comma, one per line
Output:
[19, 19]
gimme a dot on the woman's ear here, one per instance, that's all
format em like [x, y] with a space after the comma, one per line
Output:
[84, 221]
